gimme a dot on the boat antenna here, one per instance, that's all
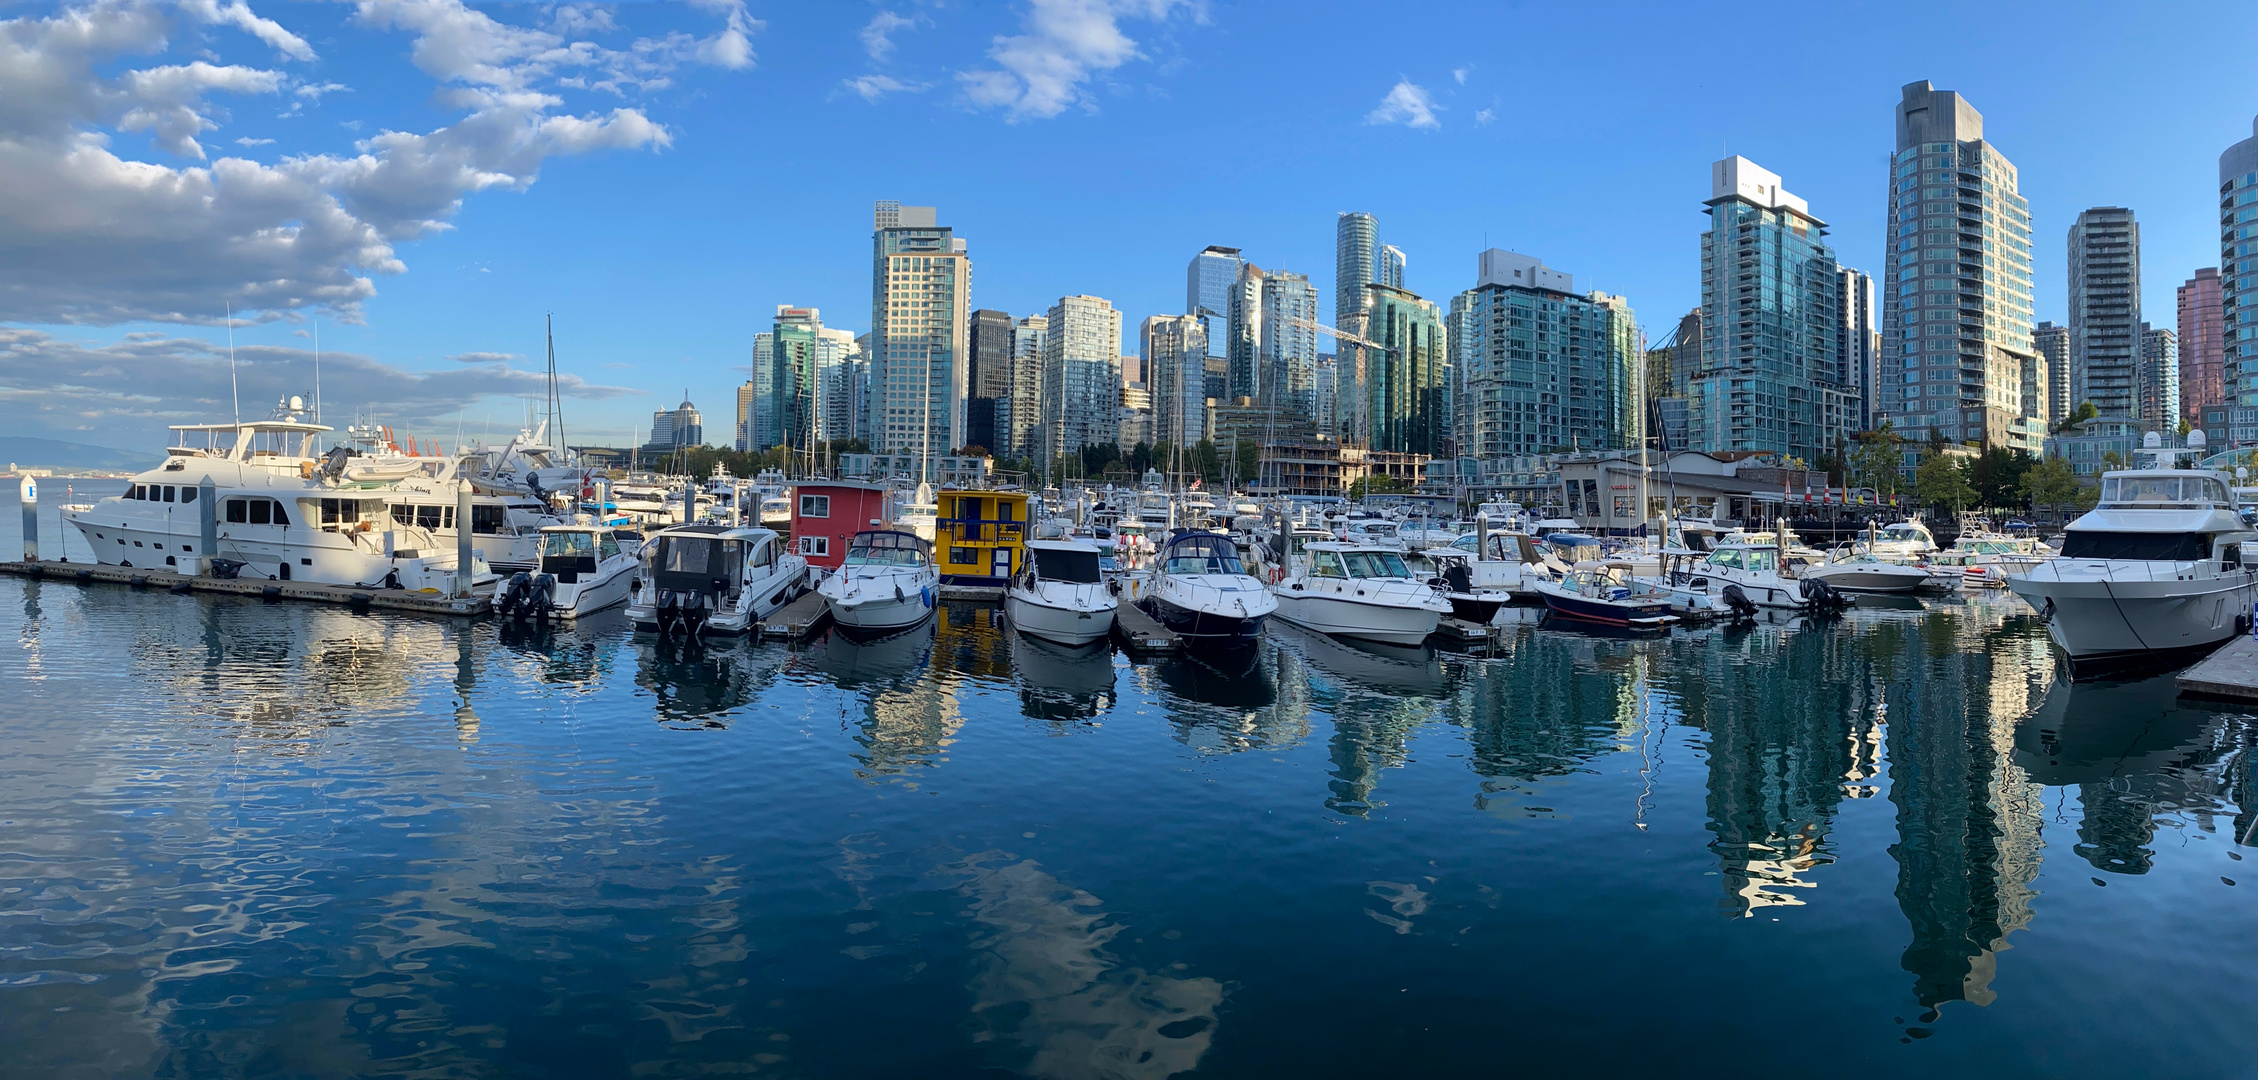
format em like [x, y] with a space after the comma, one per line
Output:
[234, 388]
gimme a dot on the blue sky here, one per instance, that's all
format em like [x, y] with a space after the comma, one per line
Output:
[661, 176]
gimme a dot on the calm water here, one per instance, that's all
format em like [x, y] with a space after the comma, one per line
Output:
[243, 839]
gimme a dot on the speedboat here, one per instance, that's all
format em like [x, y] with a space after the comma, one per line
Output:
[1606, 593]
[1755, 570]
[1361, 591]
[277, 509]
[584, 569]
[1907, 539]
[1864, 571]
[1198, 588]
[714, 579]
[1062, 595]
[888, 582]
[2154, 572]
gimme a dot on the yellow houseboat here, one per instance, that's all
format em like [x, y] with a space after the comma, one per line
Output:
[979, 537]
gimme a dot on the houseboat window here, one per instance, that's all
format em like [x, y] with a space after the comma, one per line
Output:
[568, 543]
[963, 556]
[815, 506]
[1325, 564]
[2141, 547]
[815, 545]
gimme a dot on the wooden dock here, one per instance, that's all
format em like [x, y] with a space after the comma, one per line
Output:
[2231, 672]
[799, 619]
[974, 594]
[1463, 632]
[1139, 633]
[419, 603]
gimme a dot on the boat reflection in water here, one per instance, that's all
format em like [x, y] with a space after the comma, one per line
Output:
[1374, 666]
[1232, 678]
[576, 653]
[873, 659]
[697, 682]
[1063, 682]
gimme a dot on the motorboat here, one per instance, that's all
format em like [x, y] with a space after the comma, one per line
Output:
[714, 579]
[1362, 591]
[1757, 569]
[775, 512]
[1607, 593]
[1985, 559]
[2156, 571]
[279, 510]
[1863, 571]
[888, 582]
[1062, 595]
[584, 569]
[1486, 569]
[1197, 588]
[1905, 540]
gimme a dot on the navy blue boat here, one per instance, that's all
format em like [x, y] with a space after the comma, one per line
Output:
[1201, 592]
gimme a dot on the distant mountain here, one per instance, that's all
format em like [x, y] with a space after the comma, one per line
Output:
[57, 454]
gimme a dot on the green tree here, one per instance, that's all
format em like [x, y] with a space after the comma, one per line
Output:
[1205, 460]
[1942, 481]
[1997, 476]
[2050, 482]
[1875, 458]
[1249, 461]
[2084, 412]
[1140, 458]
[2113, 459]
[1376, 485]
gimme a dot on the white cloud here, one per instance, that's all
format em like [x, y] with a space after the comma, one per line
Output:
[1407, 104]
[1484, 117]
[249, 141]
[90, 235]
[144, 381]
[877, 39]
[873, 87]
[1065, 43]
[484, 357]
[1460, 75]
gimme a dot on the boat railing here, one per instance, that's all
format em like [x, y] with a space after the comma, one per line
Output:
[982, 531]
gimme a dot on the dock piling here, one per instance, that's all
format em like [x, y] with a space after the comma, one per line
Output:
[463, 560]
[29, 489]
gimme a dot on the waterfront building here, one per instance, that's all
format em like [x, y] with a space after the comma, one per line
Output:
[1136, 414]
[1670, 368]
[1081, 374]
[1208, 283]
[2202, 348]
[1771, 379]
[1243, 355]
[1174, 351]
[1027, 342]
[1858, 342]
[1956, 294]
[1540, 368]
[844, 398]
[2159, 385]
[2105, 310]
[760, 416]
[1356, 262]
[1391, 266]
[1287, 368]
[2052, 340]
[989, 347]
[1407, 380]
[920, 307]
[1323, 387]
[678, 428]
[2238, 273]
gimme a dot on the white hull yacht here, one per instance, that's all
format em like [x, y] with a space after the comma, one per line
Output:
[584, 569]
[714, 579]
[1062, 596]
[1198, 589]
[887, 583]
[1362, 591]
[2156, 571]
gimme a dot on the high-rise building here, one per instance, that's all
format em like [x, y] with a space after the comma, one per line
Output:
[2105, 310]
[1136, 414]
[990, 350]
[788, 385]
[1286, 371]
[1956, 307]
[1771, 378]
[1026, 411]
[920, 307]
[1858, 341]
[844, 398]
[760, 418]
[1356, 263]
[1324, 391]
[1244, 354]
[675, 429]
[2159, 377]
[1208, 282]
[1407, 380]
[2202, 350]
[2052, 340]
[1174, 351]
[1081, 374]
[1391, 266]
[2238, 272]
[747, 394]
[1540, 368]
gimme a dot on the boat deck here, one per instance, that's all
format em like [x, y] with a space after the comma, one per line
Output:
[419, 603]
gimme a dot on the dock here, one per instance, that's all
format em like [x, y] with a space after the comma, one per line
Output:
[2231, 672]
[799, 619]
[420, 603]
[1139, 633]
[1462, 632]
[975, 594]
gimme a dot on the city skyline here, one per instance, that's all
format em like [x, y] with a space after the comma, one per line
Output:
[661, 289]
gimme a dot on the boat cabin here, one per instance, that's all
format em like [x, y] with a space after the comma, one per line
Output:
[827, 514]
[568, 551]
[1202, 553]
[712, 559]
[980, 537]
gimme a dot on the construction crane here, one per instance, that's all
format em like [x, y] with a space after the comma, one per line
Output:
[1341, 335]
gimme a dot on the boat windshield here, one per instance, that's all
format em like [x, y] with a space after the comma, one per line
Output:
[1376, 564]
[1902, 532]
[2136, 546]
[568, 543]
[1055, 564]
[1204, 554]
[2162, 491]
[886, 549]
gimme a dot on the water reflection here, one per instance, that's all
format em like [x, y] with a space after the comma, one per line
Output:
[907, 719]
[2139, 762]
[1062, 683]
[1229, 700]
[697, 682]
[1538, 715]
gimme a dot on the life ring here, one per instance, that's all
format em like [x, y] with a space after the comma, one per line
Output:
[1276, 575]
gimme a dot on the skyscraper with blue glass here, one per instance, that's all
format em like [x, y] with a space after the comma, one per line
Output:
[1771, 378]
[2238, 272]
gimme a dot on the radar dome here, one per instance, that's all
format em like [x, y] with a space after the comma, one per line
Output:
[297, 404]
[2196, 440]
[2152, 440]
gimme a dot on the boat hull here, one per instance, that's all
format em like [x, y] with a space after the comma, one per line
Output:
[1206, 626]
[2105, 626]
[872, 604]
[1643, 614]
[1864, 579]
[1051, 622]
[1394, 624]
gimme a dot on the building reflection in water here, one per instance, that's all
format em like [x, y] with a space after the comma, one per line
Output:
[1535, 716]
[907, 717]
[1063, 684]
[1377, 695]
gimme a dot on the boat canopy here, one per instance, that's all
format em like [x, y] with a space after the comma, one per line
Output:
[1077, 563]
[888, 548]
[1203, 553]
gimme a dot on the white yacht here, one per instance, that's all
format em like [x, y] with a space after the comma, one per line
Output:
[1062, 595]
[1361, 591]
[888, 582]
[1905, 540]
[1755, 569]
[584, 569]
[1198, 588]
[714, 579]
[2156, 570]
[643, 500]
[1864, 571]
[279, 511]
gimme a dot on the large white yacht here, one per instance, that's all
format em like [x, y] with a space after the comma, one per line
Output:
[279, 509]
[2155, 571]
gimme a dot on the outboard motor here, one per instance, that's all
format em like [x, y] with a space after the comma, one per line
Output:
[682, 611]
[1737, 602]
[527, 594]
[510, 598]
[333, 463]
[1824, 597]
